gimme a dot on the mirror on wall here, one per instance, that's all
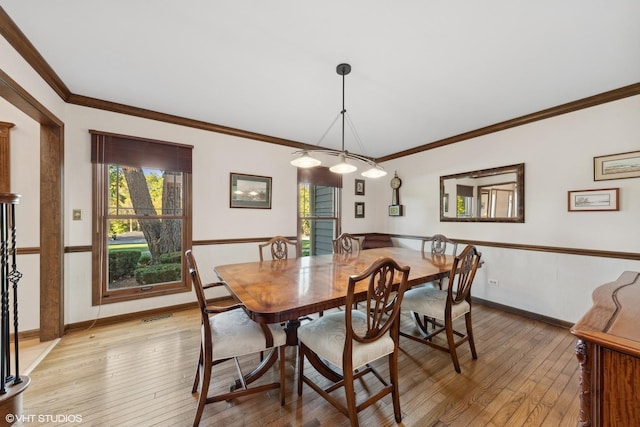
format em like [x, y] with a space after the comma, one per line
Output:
[488, 195]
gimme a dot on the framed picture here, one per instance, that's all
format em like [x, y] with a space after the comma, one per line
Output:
[616, 166]
[606, 199]
[359, 187]
[396, 210]
[250, 191]
[359, 209]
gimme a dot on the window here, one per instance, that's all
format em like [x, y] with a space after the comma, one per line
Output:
[142, 217]
[318, 210]
[464, 201]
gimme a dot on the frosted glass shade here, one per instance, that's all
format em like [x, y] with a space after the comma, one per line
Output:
[305, 161]
[343, 166]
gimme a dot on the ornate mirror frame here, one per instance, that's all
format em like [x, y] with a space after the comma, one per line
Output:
[481, 195]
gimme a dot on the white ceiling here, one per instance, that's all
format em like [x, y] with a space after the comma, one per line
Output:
[422, 70]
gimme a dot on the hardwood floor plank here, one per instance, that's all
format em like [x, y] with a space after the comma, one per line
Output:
[550, 386]
[526, 359]
[534, 387]
[564, 411]
[140, 374]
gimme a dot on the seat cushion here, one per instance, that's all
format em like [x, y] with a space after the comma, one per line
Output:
[431, 303]
[326, 336]
[235, 334]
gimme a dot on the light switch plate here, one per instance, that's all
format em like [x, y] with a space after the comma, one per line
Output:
[77, 214]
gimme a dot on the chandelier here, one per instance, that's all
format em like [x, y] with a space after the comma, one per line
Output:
[346, 161]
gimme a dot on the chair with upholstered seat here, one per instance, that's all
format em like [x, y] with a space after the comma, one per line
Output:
[227, 333]
[441, 307]
[352, 339]
[346, 244]
[435, 246]
[279, 246]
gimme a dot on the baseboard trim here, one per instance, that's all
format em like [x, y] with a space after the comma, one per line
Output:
[141, 314]
[523, 313]
[27, 335]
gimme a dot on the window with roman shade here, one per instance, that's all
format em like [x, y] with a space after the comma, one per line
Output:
[142, 216]
[464, 201]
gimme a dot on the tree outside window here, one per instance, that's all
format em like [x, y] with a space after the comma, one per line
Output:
[145, 227]
[142, 217]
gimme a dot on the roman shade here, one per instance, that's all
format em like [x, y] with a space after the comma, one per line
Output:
[109, 148]
[319, 175]
[464, 190]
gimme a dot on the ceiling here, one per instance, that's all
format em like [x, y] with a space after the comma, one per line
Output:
[422, 70]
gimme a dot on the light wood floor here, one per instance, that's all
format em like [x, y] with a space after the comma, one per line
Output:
[32, 352]
[140, 373]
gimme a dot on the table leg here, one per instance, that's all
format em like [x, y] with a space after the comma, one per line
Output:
[292, 332]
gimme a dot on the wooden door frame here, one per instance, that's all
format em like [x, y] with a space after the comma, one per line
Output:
[51, 206]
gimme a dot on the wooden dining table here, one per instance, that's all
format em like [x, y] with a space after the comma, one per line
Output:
[286, 290]
[277, 291]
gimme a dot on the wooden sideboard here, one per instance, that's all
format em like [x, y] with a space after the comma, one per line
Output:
[608, 350]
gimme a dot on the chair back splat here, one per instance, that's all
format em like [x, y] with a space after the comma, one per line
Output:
[346, 244]
[380, 299]
[439, 247]
[352, 339]
[438, 308]
[279, 246]
[464, 271]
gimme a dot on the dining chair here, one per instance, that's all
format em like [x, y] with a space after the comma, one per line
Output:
[346, 244]
[352, 339]
[441, 307]
[436, 246]
[228, 333]
[279, 246]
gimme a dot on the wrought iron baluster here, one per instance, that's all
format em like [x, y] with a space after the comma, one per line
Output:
[14, 277]
[4, 298]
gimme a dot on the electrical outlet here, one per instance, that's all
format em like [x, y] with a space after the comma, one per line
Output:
[493, 282]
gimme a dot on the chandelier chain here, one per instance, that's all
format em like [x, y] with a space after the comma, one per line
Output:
[305, 160]
[328, 129]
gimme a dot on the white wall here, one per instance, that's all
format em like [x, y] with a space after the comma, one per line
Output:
[558, 155]
[25, 178]
[215, 156]
[25, 181]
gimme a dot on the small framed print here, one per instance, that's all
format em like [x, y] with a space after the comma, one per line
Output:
[359, 209]
[249, 191]
[616, 166]
[606, 199]
[359, 187]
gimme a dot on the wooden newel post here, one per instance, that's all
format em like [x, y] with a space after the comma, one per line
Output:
[12, 383]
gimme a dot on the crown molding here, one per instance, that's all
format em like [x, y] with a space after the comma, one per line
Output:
[16, 38]
[591, 101]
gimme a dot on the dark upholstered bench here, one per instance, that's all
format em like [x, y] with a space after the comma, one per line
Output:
[376, 241]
